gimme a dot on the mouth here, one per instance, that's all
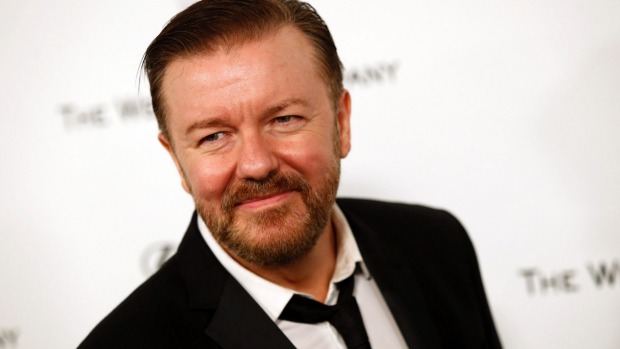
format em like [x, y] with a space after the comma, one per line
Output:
[265, 201]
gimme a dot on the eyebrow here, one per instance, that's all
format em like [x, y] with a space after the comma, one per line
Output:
[285, 104]
[218, 121]
[204, 124]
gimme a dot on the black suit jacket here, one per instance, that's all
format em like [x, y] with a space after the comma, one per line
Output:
[421, 259]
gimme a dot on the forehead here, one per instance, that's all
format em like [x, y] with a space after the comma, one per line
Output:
[282, 62]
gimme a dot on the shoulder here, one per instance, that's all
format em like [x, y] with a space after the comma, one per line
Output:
[434, 247]
[143, 319]
[432, 240]
[393, 209]
[402, 221]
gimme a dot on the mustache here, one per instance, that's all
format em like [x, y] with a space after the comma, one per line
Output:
[250, 189]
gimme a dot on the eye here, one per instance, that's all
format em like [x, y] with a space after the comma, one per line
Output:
[214, 141]
[288, 123]
[213, 137]
[286, 119]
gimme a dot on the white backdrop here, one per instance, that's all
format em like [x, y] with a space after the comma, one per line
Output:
[506, 113]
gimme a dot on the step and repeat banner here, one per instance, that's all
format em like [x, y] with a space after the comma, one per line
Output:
[505, 113]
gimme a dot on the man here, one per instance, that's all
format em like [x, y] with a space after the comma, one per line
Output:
[249, 99]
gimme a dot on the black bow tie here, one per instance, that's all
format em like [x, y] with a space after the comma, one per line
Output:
[344, 316]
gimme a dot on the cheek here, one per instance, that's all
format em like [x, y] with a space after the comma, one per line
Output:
[309, 157]
[209, 177]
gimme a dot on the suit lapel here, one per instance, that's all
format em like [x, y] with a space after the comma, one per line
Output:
[402, 293]
[397, 282]
[237, 321]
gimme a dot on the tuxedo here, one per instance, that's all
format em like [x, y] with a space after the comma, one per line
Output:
[421, 259]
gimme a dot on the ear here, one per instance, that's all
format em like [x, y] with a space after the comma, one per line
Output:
[168, 146]
[343, 118]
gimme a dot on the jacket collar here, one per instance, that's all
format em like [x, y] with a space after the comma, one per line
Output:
[237, 320]
[395, 276]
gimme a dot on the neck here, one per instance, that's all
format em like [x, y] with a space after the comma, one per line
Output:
[311, 274]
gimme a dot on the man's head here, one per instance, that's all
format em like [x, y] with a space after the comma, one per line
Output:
[210, 25]
[255, 123]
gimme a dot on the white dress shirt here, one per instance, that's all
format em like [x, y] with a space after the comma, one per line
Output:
[382, 330]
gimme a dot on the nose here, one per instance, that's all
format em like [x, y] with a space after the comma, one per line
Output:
[256, 158]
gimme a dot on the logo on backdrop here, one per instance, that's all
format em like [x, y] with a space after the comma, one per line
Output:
[372, 74]
[103, 114]
[155, 255]
[8, 337]
[604, 275]
[75, 116]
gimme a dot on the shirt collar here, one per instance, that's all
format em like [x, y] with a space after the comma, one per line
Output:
[348, 255]
[271, 297]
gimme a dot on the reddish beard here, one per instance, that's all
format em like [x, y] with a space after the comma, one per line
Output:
[276, 236]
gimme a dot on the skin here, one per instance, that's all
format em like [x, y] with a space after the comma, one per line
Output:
[244, 113]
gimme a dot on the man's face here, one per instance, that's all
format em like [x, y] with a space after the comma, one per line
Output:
[257, 142]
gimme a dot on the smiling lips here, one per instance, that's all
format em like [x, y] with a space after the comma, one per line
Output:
[264, 201]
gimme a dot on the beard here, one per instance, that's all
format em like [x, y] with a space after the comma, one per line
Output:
[276, 236]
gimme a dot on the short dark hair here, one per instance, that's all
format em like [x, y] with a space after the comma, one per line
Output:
[209, 25]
